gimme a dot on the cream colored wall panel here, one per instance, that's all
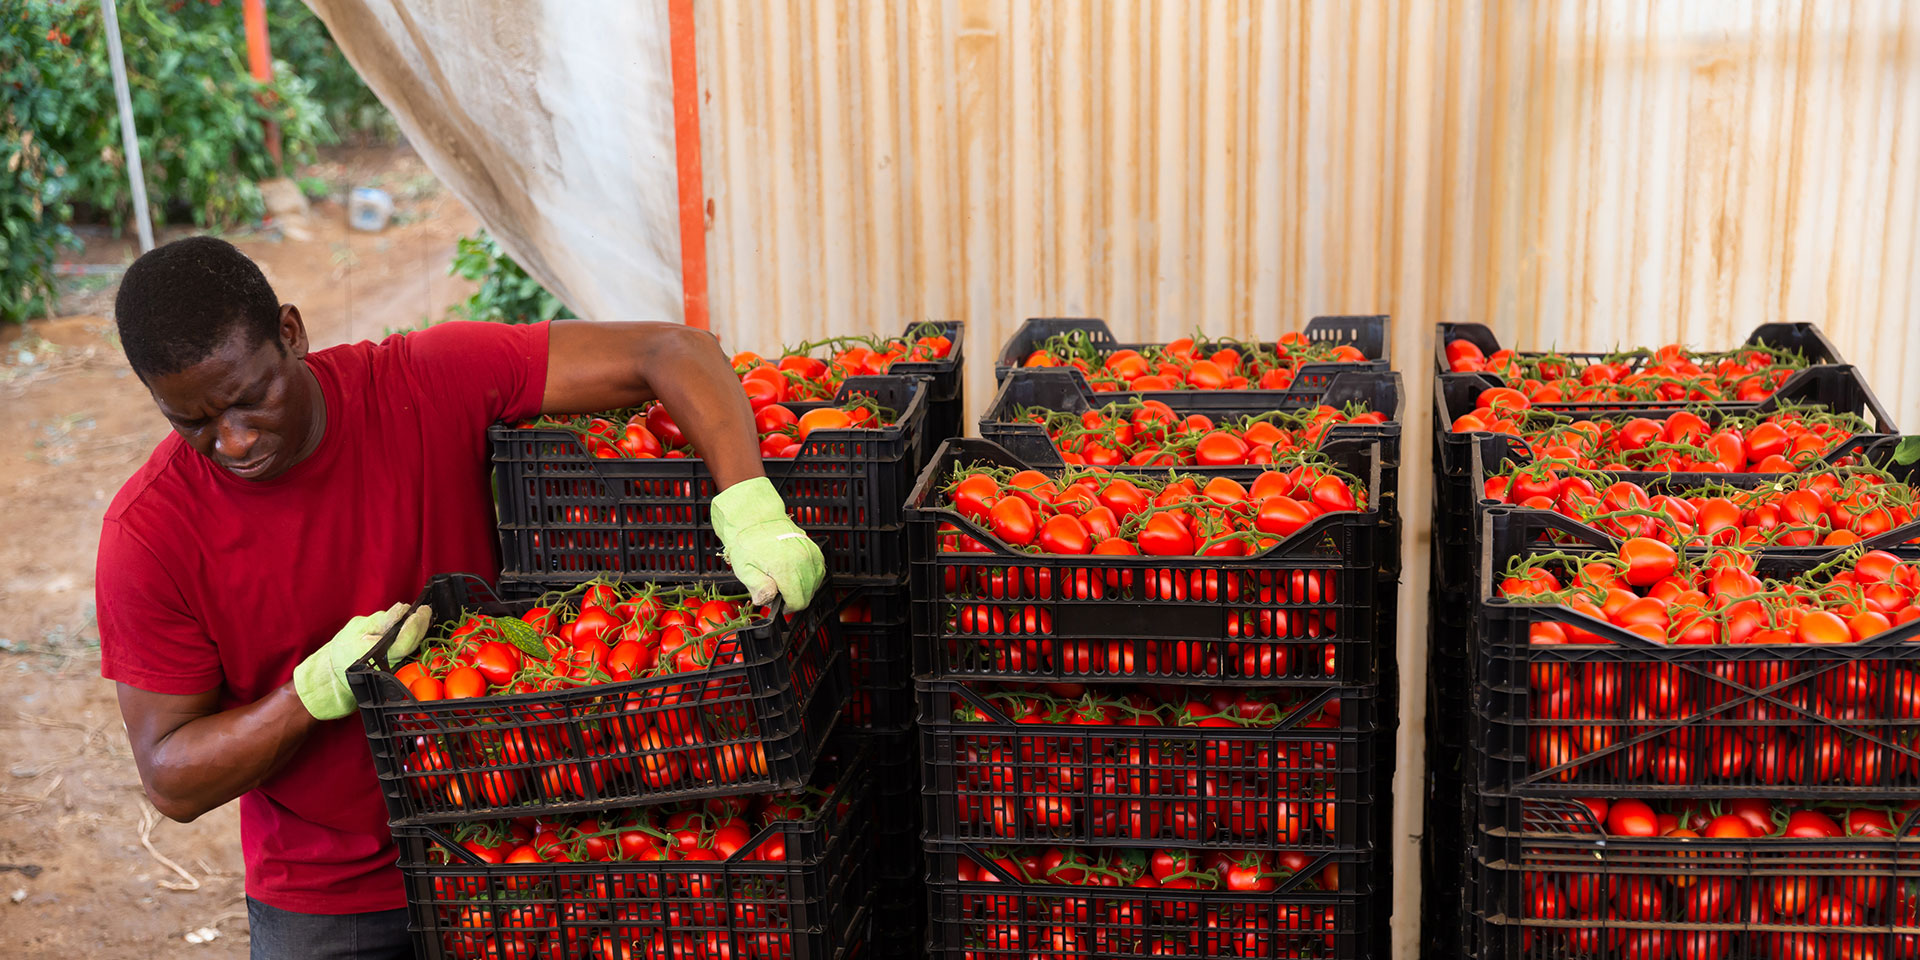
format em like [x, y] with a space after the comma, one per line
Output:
[1651, 172]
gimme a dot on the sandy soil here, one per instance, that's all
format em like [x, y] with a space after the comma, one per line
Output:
[87, 869]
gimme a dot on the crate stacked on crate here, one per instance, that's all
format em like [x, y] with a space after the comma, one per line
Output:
[1495, 410]
[1201, 731]
[935, 350]
[1212, 375]
[622, 770]
[575, 503]
[1705, 751]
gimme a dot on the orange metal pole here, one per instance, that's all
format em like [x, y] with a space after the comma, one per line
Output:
[260, 61]
[686, 149]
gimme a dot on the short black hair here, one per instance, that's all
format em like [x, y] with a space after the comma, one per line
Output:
[177, 303]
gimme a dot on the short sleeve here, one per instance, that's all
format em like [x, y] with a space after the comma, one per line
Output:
[148, 637]
[491, 371]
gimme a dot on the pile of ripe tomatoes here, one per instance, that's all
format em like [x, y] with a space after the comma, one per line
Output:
[1143, 764]
[655, 737]
[1685, 441]
[1645, 589]
[798, 375]
[1147, 433]
[1672, 372]
[1835, 507]
[1190, 364]
[630, 908]
[650, 433]
[1758, 896]
[1130, 903]
[1100, 514]
[613, 634]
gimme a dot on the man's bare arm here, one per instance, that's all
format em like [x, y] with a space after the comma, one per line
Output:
[601, 366]
[194, 757]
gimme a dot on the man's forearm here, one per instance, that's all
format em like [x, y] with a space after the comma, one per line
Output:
[692, 377]
[210, 760]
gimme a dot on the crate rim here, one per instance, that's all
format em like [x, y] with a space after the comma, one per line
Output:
[1446, 331]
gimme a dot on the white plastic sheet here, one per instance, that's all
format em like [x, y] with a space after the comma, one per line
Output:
[553, 122]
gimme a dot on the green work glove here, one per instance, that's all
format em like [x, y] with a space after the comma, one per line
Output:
[767, 552]
[321, 679]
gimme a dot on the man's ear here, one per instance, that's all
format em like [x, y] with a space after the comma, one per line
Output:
[293, 330]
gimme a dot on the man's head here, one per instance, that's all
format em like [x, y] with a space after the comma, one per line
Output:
[222, 357]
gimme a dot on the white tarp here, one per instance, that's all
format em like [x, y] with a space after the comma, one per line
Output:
[552, 121]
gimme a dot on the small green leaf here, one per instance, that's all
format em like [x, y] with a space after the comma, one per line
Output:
[1907, 451]
[523, 635]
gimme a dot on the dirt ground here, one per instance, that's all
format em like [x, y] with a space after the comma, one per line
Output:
[87, 868]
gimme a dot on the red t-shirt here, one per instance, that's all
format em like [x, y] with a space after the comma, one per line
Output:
[209, 581]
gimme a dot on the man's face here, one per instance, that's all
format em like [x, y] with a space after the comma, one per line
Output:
[251, 407]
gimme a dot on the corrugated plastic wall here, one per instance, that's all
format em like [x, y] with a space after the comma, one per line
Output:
[1580, 173]
[1575, 173]
[1157, 164]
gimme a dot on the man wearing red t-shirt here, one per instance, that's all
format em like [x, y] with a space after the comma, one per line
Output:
[300, 489]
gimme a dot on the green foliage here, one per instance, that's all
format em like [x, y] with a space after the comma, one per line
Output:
[33, 209]
[506, 294]
[199, 114]
[301, 43]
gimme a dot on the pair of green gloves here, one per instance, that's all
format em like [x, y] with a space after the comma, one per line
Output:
[769, 556]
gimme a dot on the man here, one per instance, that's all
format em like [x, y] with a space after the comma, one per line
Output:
[299, 489]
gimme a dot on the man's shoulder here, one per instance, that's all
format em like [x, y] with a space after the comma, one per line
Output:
[168, 464]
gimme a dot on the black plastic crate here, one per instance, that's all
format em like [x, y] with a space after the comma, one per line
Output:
[1781, 720]
[810, 903]
[1458, 484]
[1488, 462]
[751, 723]
[564, 512]
[1307, 782]
[1838, 389]
[1003, 916]
[1371, 335]
[1551, 885]
[1300, 612]
[1066, 390]
[1878, 454]
[947, 384]
[1803, 338]
[875, 622]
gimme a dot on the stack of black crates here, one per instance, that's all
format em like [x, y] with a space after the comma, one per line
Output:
[601, 781]
[1033, 769]
[1510, 841]
[826, 699]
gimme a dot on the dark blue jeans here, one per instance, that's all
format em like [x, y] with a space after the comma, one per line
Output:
[284, 935]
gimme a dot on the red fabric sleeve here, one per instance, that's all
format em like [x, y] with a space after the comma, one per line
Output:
[502, 366]
[148, 638]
